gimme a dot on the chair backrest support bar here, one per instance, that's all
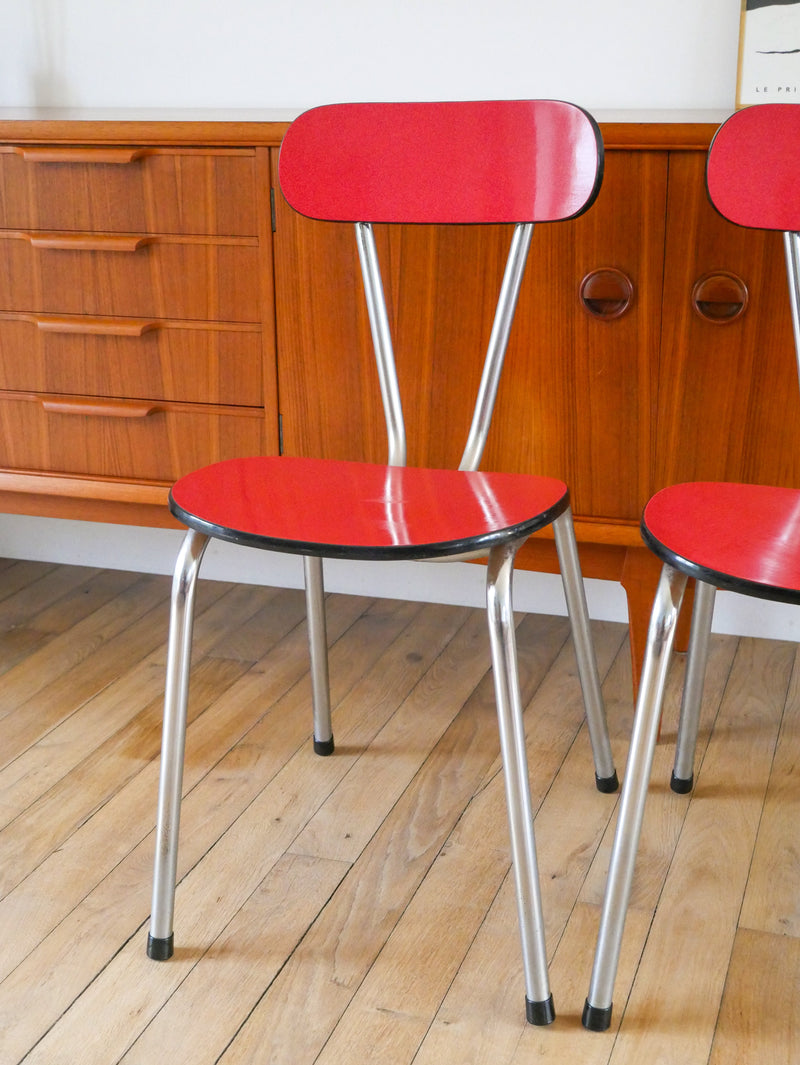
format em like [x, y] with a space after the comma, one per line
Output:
[495, 353]
[382, 343]
[791, 243]
[498, 343]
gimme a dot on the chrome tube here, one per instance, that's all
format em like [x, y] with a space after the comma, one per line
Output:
[575, 594]
[318, 653]
[176, 695]
[498, 342]
[515, 771]
[660, 638]
[692, 698]
[791, 244]
[382, 343]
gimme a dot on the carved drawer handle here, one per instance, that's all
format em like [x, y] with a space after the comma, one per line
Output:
[50, 154]
[99, 408]
[606, 293]
[720, 297]
[126, 242]
[86, 326]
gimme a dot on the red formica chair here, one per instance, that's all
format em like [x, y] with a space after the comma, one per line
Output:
[516, 162]
[740, 537]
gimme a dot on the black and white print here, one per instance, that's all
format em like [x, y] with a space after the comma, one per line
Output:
[769, 52]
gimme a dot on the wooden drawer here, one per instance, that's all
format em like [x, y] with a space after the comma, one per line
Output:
[153, 442]
[134, 357]
[129, 189]
[130, 276]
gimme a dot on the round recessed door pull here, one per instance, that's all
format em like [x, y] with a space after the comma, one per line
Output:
[606, 293]
[720, 297]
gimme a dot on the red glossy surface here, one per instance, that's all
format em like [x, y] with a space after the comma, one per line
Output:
[751, 533]
[452, 162]
[358, 510]
[753, 171]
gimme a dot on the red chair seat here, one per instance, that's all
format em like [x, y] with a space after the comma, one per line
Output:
[741, 537]
[363, 511]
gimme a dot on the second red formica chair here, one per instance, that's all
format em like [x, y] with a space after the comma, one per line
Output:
[517, 163]
[740, 537]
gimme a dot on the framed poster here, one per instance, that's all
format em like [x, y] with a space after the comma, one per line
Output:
[769, 52]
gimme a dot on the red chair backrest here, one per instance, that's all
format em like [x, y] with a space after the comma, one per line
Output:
[450, 162]
[753, 168]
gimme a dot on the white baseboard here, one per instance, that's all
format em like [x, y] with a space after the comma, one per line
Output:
[153, 551]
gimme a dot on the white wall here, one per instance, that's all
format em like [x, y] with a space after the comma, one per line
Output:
[294, 53]
[154, 551]
[290, 54]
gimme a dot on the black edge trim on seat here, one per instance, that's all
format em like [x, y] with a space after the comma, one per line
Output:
[398, 552]
[719, 579]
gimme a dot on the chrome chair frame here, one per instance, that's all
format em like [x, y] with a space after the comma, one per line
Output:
[539, 1006]
[660, 641]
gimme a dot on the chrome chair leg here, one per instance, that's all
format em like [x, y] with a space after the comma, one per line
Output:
[538, 1000]
[683, 770]
[318, 652]
[567, 549]
[179, 652]
[660, 638]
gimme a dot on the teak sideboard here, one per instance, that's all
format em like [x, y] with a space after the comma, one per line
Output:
[161, 308]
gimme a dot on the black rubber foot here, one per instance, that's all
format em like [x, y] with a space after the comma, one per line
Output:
[323, 747]
[160, 949]
[540, 1012]
[607, 784]
[595, 1018]
[682, 785]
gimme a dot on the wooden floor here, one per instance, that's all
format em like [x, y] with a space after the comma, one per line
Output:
[359, 908]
